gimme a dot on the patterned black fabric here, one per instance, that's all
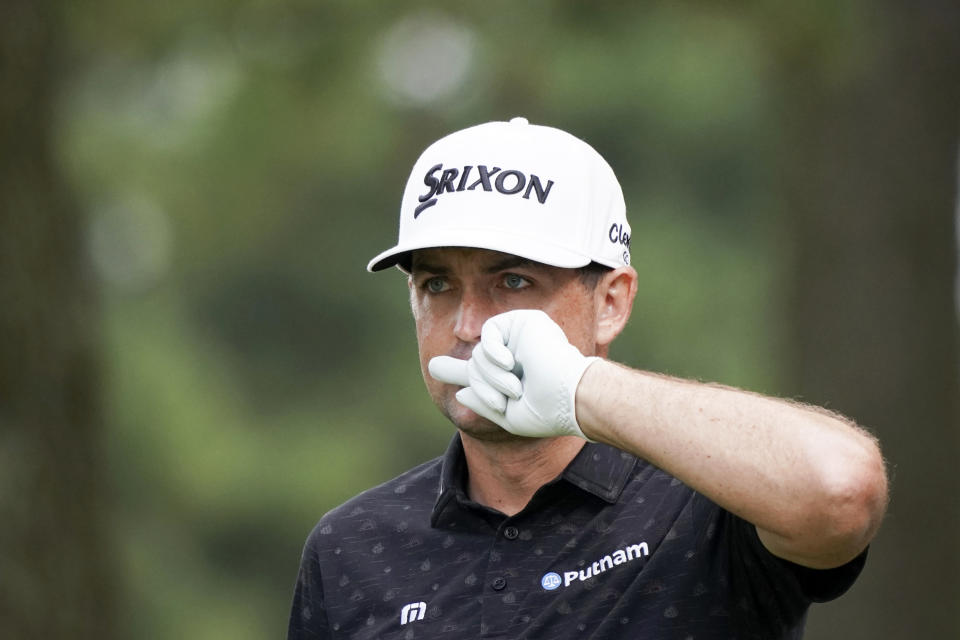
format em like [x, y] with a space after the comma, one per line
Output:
[613, 548]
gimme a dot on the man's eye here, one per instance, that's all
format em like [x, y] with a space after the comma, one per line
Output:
[513, 281]
[435, 285]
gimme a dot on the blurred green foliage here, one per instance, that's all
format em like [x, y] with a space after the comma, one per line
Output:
[239, 162]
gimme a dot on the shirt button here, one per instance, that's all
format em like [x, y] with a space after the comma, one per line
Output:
[511, 533]
[499, 584]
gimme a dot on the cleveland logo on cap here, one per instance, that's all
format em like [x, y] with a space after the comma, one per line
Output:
[506, 182]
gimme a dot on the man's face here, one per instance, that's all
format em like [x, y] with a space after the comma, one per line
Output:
[454, 290]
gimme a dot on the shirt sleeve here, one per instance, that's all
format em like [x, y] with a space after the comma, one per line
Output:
[823, 585]
[813, 585]
[768, 595]
[308, 615]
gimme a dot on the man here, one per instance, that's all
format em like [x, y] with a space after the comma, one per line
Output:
[579, 498]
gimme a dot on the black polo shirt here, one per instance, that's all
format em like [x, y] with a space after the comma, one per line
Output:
[612, 548]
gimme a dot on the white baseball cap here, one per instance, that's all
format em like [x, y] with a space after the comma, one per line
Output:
[523, 189]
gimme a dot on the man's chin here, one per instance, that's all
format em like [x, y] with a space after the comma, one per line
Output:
[476, 426]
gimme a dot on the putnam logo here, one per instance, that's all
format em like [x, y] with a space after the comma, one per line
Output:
[552, 580]
[507, 182]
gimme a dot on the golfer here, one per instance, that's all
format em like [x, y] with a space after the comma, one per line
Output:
[578, 498]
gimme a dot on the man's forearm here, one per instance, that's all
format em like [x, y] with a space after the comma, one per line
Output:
[812, 483]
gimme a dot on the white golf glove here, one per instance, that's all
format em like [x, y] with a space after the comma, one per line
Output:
[522, 375]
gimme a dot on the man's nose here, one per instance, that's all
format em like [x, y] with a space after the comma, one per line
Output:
[474, 310]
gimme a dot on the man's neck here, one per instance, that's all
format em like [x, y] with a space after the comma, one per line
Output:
[505, 475]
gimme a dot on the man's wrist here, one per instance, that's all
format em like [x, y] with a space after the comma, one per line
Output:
[585, 395]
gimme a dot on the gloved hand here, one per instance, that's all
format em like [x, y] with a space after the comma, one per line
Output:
[522, 375]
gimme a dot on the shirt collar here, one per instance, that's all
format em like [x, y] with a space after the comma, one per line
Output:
[598, 469]
[601, 470]
[452, 478]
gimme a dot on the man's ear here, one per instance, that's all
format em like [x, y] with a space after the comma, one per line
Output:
[614, 298]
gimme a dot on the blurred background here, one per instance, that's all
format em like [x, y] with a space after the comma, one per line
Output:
[194, 365]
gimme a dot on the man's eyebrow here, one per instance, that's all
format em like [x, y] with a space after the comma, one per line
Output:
[419, 265]
[510, 262]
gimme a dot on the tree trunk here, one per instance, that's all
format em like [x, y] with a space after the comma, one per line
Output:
[53, 577]
[870, 168]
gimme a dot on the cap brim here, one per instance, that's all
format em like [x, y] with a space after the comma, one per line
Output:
[525, 247]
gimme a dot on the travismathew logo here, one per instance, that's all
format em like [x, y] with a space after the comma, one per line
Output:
[553, 580]
[412, 612]
[507, 182]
